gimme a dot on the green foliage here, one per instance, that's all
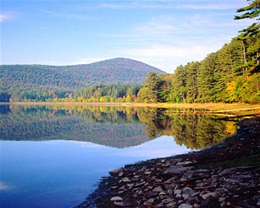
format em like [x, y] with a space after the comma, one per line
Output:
[119, 71]
[4, 95]
[251, 11]
[107, 93]
[31, 95]
[153, 84]
[231, 74]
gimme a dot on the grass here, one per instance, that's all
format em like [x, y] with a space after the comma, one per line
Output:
[222, 109]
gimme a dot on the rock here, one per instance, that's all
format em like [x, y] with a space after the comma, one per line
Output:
[226, 171]
[258, 202]
[171, 204]
[116, 171]
[184, 163]
[120, 174]
[208, 196]
[171, 180]
[126, 180]
[167, 201]
[139, 184]
[149, 201]
[185, 206]
[177, 193]
[220, 191]
[221, 199]
[177, 169]
[147, 172]
[158, 189]
[187, 192]
[116, 198]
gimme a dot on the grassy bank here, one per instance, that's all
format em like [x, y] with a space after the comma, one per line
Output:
[234, 109]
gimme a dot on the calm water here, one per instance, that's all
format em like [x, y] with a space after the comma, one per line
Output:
[55, 156]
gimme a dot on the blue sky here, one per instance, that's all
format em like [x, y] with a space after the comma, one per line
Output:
[164, 33]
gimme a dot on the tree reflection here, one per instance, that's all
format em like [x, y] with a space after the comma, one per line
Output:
[195, 130]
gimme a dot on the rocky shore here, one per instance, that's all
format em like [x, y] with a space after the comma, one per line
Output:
[225, 175]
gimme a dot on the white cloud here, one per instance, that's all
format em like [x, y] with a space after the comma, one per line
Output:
[67, 15]
[192, 5]
[3, 17]
[168, 57]
[3, 186]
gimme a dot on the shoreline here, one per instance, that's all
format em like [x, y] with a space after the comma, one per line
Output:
[211, 107]
[224, 175]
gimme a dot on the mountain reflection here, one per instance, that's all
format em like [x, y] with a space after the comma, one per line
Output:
[118, 127]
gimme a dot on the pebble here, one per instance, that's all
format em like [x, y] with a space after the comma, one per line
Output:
[201, 187]
[116, 198]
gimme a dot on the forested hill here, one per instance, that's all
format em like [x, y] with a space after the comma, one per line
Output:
[112, 71]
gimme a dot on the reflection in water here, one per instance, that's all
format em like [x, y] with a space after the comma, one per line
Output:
[62, 173]
[112, 126]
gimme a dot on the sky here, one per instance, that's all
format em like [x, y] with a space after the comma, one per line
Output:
[162, 33]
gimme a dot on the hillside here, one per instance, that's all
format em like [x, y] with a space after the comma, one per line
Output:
[112, 71]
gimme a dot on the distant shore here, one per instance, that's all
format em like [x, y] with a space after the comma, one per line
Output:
[208, 106]
[212, 108]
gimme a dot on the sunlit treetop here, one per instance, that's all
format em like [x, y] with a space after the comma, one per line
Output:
[251, 11]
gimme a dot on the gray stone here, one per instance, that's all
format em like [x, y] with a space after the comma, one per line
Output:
[184, 163]
[208, 196]
[139, 184]
[177, 170]
[226, 171]
[126, 180]
[171, 180]
[258, 202]
[177, 193]
[147, 172]
[167, 200]
[185, 206]
[116, 198]
[171, 204]
[221, 199]
[158, 189]
[187, 192]
[120, 174]
[115, 172]
[150, 201]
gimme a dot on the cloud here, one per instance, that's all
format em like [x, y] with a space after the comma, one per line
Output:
[4, 17]
[192, 5]
[205, 5]
[3, 186]
[168, 56]
[67, 15]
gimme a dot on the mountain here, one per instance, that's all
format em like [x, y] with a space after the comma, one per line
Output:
[112, 71]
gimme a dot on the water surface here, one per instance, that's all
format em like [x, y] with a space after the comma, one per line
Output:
[55, 156]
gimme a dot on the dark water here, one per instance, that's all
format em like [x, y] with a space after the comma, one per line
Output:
[55, 156]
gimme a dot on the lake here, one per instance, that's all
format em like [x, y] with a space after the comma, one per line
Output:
[54, 156]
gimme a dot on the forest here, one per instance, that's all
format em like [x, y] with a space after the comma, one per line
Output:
[45, 82]
[229, 75]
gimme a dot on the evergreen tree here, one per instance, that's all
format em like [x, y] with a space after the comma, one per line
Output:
[153, 83]
[179, 90]
[192, 81]
[251, 11]
[206, 79]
